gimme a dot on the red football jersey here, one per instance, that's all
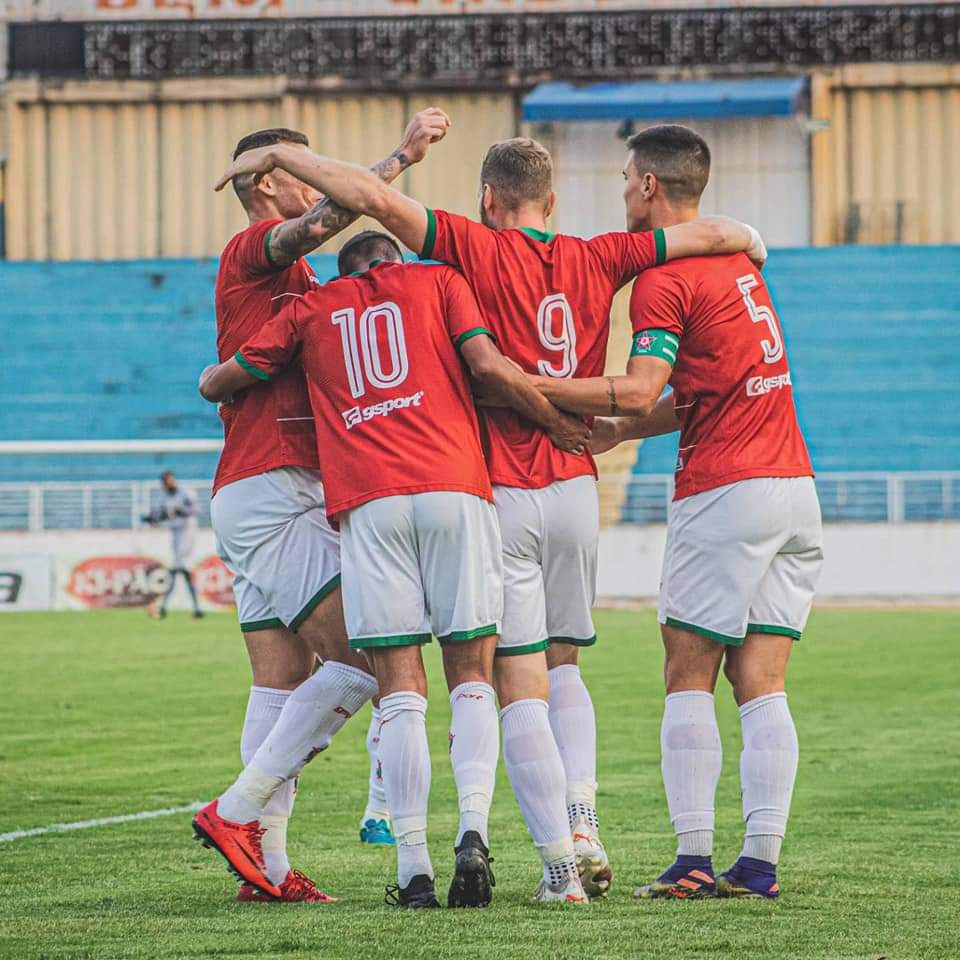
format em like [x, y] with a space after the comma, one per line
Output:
[269, 425]
[393, 409]
[712, 317]
[547, 298]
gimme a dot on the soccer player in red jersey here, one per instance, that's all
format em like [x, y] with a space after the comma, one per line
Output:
[267, 508]
[405, 479]
[744, 544]
[547, 300]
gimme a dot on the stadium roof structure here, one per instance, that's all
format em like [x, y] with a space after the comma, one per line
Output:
[665, 101]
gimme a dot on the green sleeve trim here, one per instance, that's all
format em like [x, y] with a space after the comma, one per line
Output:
[773, 629]
[473, 332]
[431, 236]
[266, 250]
[523, 649]
[575, 641]
[314, 601]
[250, 368]
[656, 343]
[660, 242]
[251, 626]
[704, 632]
[461, 636]
[397, 640]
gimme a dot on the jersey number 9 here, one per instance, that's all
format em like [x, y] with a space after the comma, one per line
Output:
[554, 311]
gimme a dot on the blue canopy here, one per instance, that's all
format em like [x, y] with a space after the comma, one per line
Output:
[664, 101]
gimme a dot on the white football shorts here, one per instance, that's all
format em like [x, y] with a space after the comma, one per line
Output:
[743, 558]
[421, 564]
[549, 564]
[273, 533]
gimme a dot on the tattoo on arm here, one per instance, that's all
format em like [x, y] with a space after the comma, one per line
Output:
[612, 396]
[326, 219]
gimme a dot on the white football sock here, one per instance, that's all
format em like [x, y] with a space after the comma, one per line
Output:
[314, 712]
[405, 761]
[768, 768]
[691, 758]
[536, 774]
[376, 795]
[474, 751]
[574, 726]
[263, 711]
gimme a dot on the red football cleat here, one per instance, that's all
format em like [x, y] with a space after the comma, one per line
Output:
[238, 844]
[296, 888]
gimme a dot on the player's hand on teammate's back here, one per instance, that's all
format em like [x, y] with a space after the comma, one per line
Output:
[428, 126]
[570, 434]
[603, 435]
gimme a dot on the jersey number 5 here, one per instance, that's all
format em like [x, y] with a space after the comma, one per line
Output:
[366, 362]
[772, 348]
[554, 311]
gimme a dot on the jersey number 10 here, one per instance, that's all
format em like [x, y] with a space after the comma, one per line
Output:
[363, 361]
[772, 348]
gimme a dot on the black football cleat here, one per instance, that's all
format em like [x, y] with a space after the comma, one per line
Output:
[418, 894]
[473, 880]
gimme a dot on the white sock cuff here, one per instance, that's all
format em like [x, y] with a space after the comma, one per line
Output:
[356, 686]
[474, 689]
[558, 849]
[584, 792]
[758, 702]
[565, 673]
[682, 694]
[393, 704]
[270, 696]
[525, 706]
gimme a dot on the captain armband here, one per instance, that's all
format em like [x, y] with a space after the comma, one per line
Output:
[656, 343]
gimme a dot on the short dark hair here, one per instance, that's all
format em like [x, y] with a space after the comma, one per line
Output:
[167, 473]
[678, 156]
[369, 245]
[264, 138]
[520, 170]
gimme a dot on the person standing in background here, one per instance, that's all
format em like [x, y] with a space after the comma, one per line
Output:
[178, 513]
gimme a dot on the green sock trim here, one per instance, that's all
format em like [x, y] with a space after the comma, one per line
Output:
[314, 601]
[774, 629]
[396, 640]
[459, 636]
[704, 632]
[251, 626]
[525, 648]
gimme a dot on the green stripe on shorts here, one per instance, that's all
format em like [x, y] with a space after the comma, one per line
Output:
[251, 626]
[395, 640]
[537, 647]
[774, 629]
[576, 641]
[460, 636]
[704, 632]
[314, 601]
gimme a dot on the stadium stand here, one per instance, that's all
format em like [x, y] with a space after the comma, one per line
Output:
[873, 334]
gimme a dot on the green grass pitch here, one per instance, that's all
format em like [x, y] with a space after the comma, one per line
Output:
[109, 713]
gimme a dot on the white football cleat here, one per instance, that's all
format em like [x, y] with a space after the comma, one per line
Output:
[593, 865]
[570, 891]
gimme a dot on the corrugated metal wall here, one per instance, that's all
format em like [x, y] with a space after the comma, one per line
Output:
[886, 166]
[114, 171]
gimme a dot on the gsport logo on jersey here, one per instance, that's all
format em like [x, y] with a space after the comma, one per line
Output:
[758, 386]
[357, 415]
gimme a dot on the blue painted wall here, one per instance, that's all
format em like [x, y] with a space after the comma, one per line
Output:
[113, 350]
[873, 337]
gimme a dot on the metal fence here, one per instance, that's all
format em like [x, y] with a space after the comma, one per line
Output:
[844, 497]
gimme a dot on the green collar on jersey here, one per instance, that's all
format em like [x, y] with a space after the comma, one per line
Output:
[544, 236]
[360, 273]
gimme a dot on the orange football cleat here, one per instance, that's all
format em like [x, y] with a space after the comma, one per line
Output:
[297, 887]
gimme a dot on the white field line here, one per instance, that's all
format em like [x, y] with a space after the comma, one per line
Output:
[99, 822]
